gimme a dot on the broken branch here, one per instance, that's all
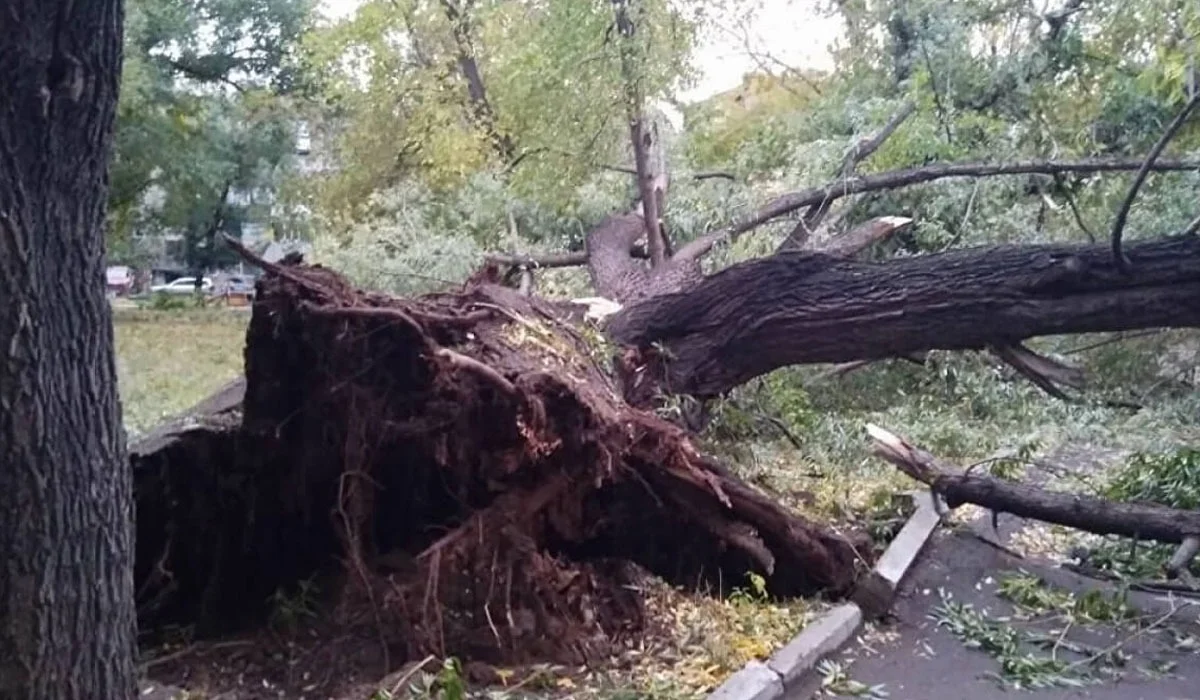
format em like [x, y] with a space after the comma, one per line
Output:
[1143, 171]
[860, 152]
[790, 202]
[1183, 557]
[863, 236]
[1081, 512]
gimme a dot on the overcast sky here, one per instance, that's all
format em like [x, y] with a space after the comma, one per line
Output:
[790, 31]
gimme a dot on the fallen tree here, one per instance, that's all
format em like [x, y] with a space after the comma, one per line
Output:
[1095, 515]
[463, 469]
[796, 308]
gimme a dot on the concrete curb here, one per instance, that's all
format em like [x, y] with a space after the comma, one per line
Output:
[876, 591]
[787, 669]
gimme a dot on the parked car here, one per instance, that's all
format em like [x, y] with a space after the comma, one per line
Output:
[183, 285]
[119, 279]
[238, 284]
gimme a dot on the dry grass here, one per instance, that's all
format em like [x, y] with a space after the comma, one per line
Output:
[167, 361]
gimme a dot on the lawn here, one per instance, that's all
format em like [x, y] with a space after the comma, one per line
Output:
[167, 361]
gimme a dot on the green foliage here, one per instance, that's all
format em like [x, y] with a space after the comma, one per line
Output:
[755, 592]
[1167, 478]
[1170, 479]
[290, 609]
[205, 129]
[1007, 645]
[549, 108]
[836, 680]
[1039, 598]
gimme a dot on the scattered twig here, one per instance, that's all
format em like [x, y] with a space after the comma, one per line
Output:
[1067, 195]
[411, 672]
[1123, 213]
[1162, 619]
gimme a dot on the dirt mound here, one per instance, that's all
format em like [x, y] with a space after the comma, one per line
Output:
[463, 471]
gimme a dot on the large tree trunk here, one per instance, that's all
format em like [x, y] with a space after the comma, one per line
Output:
[66, 515]
[796, 308]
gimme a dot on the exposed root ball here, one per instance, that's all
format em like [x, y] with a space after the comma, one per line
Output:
[466, 468]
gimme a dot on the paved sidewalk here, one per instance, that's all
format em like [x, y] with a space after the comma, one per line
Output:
[917, 660]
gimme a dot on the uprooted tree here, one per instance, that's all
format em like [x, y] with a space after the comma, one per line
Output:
[478, 474]
[467, 459]
[466, 468]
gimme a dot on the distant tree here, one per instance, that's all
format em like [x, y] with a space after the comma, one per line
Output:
[67, 624]
[207, 112]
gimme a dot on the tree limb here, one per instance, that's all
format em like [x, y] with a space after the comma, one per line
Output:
[1123, 213]
[860, 152]
[1043, 371]
[640, 138]
[788, 203]
[792, 201]
[1193, 228]
[1088, 513]
[863, 236]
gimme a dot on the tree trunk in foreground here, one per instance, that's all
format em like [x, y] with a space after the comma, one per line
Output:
[797, 308]
[66, 517]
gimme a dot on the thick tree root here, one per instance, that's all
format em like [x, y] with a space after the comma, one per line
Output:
[463, 470]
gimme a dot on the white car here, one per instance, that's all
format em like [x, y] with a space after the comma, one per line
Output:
[183, 285]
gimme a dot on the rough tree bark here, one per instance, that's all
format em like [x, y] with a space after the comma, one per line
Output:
[66, 514]
[796, 308]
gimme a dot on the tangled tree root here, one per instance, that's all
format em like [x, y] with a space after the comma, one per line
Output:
[464, 467]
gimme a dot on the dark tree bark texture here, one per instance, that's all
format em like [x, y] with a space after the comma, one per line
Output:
[797, 308]
[66, 514]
